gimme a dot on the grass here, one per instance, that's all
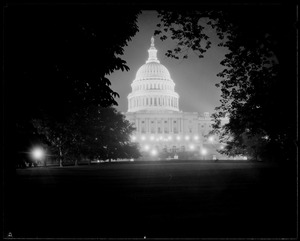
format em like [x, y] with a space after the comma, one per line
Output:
[173, 199]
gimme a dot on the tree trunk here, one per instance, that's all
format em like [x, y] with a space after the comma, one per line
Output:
[76, 162]
[60, 157]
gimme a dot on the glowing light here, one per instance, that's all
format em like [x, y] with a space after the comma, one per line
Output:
[266, 137]
[192, 147]
[146, 147]
[178, 138]
[186, 138]
[37, 153]
[203, 151]
[154, 152]
[160, 137]
[133, 138]
[170, 138]
[152, 138]
[211, 139]
[222, 147]
[196, 138]
[143, 138]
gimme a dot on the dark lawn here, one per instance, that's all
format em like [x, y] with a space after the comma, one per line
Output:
[189, 199]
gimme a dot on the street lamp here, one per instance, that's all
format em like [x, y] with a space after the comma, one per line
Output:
[192, 147]
[37, 153]
[203, 152]
[154, 152]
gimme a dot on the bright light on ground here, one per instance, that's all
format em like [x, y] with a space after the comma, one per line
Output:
[37, 153]
[203, 151]
[154, 152]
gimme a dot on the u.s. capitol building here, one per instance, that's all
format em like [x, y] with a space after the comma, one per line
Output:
[153, 108]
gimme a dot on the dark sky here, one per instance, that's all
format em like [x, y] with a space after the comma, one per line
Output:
[194, 78]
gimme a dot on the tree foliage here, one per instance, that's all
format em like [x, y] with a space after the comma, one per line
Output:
[258, 81]
[57, 59]
[94, 133]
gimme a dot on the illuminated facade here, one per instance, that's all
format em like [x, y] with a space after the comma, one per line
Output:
[153, 108]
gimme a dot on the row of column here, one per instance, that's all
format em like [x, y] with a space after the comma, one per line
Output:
[153, 101]
[170, 123]
[151, 86]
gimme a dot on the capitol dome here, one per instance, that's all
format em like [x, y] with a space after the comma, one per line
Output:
[153, 88]
[153, 70]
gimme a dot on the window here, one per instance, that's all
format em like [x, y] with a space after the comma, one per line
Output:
[166, 130]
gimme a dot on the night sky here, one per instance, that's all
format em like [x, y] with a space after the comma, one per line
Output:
[194, 78]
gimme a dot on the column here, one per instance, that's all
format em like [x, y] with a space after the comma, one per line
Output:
[147, 125]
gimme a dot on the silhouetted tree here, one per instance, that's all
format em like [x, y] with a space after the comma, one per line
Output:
[258, 82]
[91, 133]
[105, 134]
[62, 137]
[57, 59]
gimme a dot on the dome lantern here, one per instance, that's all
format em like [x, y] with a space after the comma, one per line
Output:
[152, 53]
